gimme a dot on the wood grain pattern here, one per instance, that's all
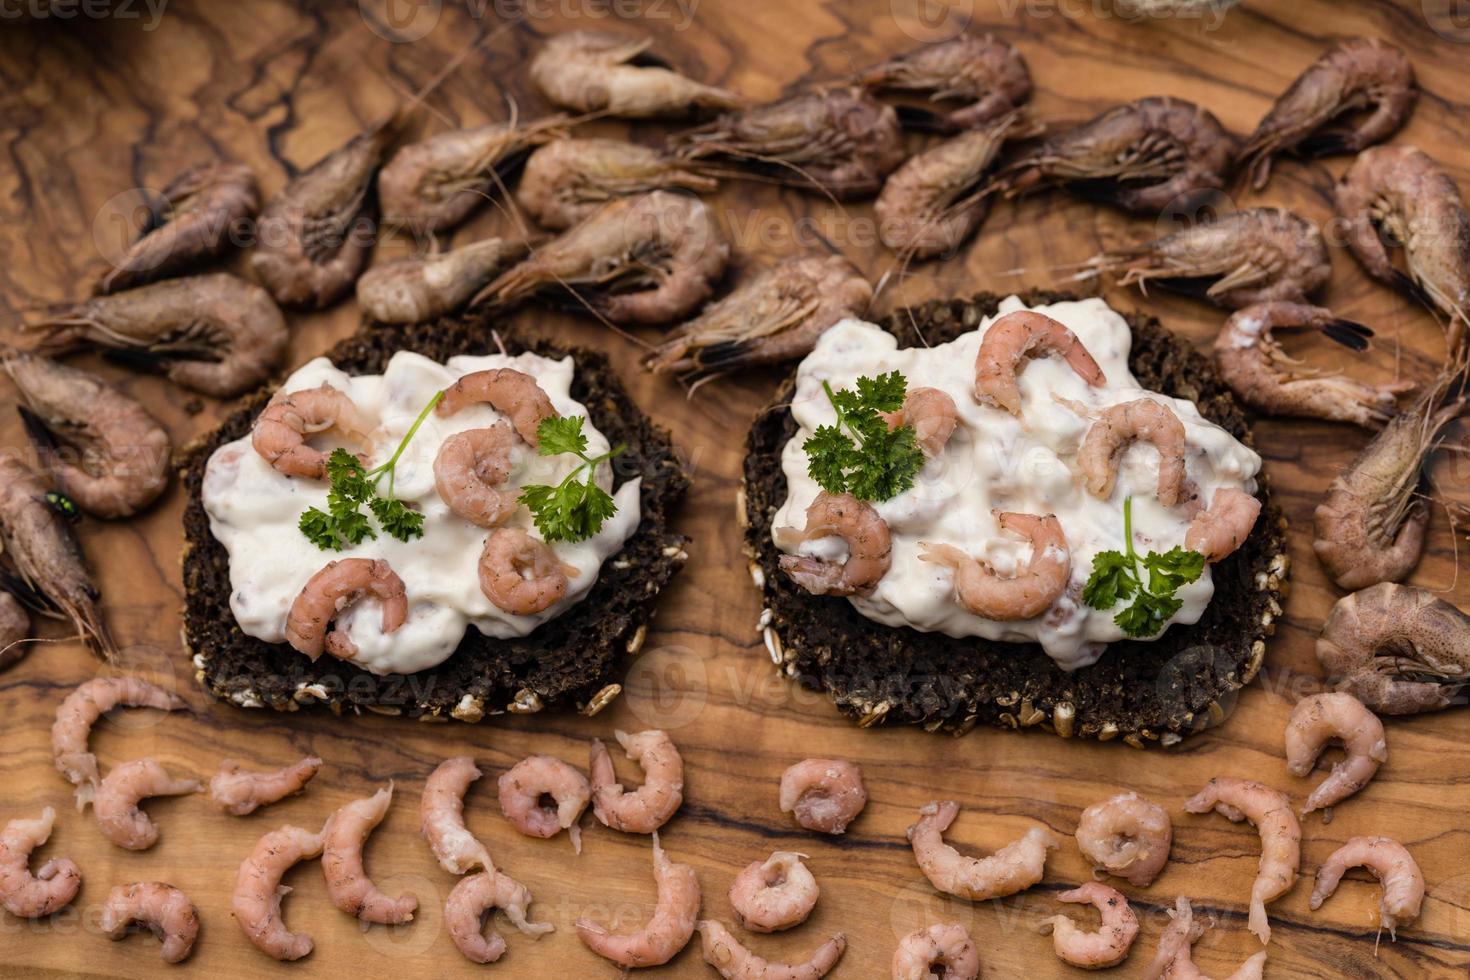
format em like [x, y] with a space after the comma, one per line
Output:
[90, 109]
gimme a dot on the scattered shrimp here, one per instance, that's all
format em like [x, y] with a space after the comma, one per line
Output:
[859, 526]
[1355, 74]
[566, 180]
[420, 288]
[200, 212]
[80, 711]
[592, 71]
[824, 795]
[521, 574]
[163, 909]
[1018, 337]
[115, 804]
[239, 791]
[1398, 649]
[476, 894]
[470, 473]
[734, 961]
[1281, 837]
[932, 415]
[775, 315]
[256, 902]
[650, 806]
[1173, 960]
[1320, 718]
[1106, 947]
[441, 817]
[1391, 863]
[774, 894]
[215, 333]
[666, 933]
[326, 594]
[1119, 427]
[348, 885]
[1269, 380]
[1222, 527]
[648, 259]
[946, 946]
[52, 887]
[1014, 868]
[15, 630]
[1127, 836]
[985, 72]
[980, 589]
[512, 393]
[280, 432]
[101, 448]
[537, 777]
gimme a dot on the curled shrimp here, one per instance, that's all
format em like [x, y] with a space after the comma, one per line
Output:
[869, 548]
[239, 791]
[101, 448]
[985, 72]
[1018, 337]
[648, 259]
[1320, 718]
[54, 884]
[476, 894]
[470, 471]
[326, 594]
[348, 885]
[280, 431]
[1391, 863]
[932, 415]
[529, 781]
[980, 589]
[666, 933]
[566, 180]
[441, 817]
[733, 961]
[1398, 649]
[115, 804]
[1355, 74]
[1281, 837]
[1173, 960]
[650, 806]
[1127, 836]
[420, 288]
[592, 71]
[163, 909]
[256, 901]
[1119, 427]
[215, 333]
[824, 795]
[15, 630]
[513, 393]
[80, 710]
[1109, 945]
[774, 894]
[775, 315]
[1014, 868]
[1269, 380]
[947, 946]
[199, 213]
[521, 574]
[1223, 526]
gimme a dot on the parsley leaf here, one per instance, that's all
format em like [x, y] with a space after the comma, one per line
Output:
[1116, 577]
[861, 454]
[576, 508]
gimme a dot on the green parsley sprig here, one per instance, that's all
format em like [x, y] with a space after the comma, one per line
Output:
[576, 508]
[1118, 575]
[860, 454]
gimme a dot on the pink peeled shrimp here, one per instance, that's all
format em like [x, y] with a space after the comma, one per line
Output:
[239, 791]
[824, 795]
[522, 788]
[515, 394]
[476, 894]
[1020, 336]
[1014, 868]
[856, 522]
[522, 574]
[54, 884]
[1320, 718]
[1027, 594]
[650, 806]
[1395, 867]
[1281, 837]
[1223, 526]
[80, 711]
[666, 933]
[256, 902]
[279, 435]
[327, 593]
[116, 804]
[348, 885]
[441, 817]
[470, 473]
[932, 415]
[1173, 962]
[163, 909]
[1117, 428]
[1109, 945]
[733, 961]
[774, 894]
[1126, 836]
[946, 946]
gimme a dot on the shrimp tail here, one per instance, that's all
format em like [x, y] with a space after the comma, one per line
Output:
[1349, 333]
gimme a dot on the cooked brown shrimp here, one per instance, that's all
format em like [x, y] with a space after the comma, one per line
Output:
[1018, 337]
[1014, 868]
[839, 141]
[1398, 649]
[1173, 960]
[470, 471]
[774, 894]
[54, 884]
[566, 180]
[824, 795]
[592, 71]
[115, 804]
[980, 589]
[340, 584]
[734, 961]
[666, 933]
[1223, 526]
[1107, 946]
[163, 909]
[476, 894]
[775, 315]
[859, 526]
[15, 630]
[199, 212]
[1127, 836]
[1391, 863]
[101, 448]
[946, 946]
[280, 431]
[649, 807]
[538, 777]
[256, 902]
[1320, 718]
[80, 711]
[348, 885]
[932, 415]
[215, 334]
[985, 72]
[441, 817]
[1355, 74]
[648, 259]
[419, 288]
[239, 791]
[521, 574]
[1281, 837]
[510, 392]
[1119, 427]
[1269, 380]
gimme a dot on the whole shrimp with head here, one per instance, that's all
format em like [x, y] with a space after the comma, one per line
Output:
[593, 71]
[986, 73]
[566, 180]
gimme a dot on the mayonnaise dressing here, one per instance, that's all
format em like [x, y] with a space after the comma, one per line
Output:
[253, 511]
[998, 461]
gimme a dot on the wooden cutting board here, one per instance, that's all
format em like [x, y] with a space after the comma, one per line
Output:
[92, 109]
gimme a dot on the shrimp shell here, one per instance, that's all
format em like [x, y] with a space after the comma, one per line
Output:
[1014, 868]
[986, 72]
[1173, 961]
[417, 289]
[666, 933]
[80, 710]
[115, 804]
[650, 806]
[163, 909]
[592, 71]
[1391, 863]
[256, 902]
[1321, 717]
[54, 884]
[734, 961]
[566, 180]
[471, 898]
[441, 817]
[1105, 947]
[238, 791]
[348, 885]
[947, 946]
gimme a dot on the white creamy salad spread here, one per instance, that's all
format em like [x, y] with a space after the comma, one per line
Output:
[1024, 463]
[254, 511]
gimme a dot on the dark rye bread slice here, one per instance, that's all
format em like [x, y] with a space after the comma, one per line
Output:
[573, 660]
[1140, 692]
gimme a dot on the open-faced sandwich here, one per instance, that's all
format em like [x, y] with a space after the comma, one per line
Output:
[1015, 512]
